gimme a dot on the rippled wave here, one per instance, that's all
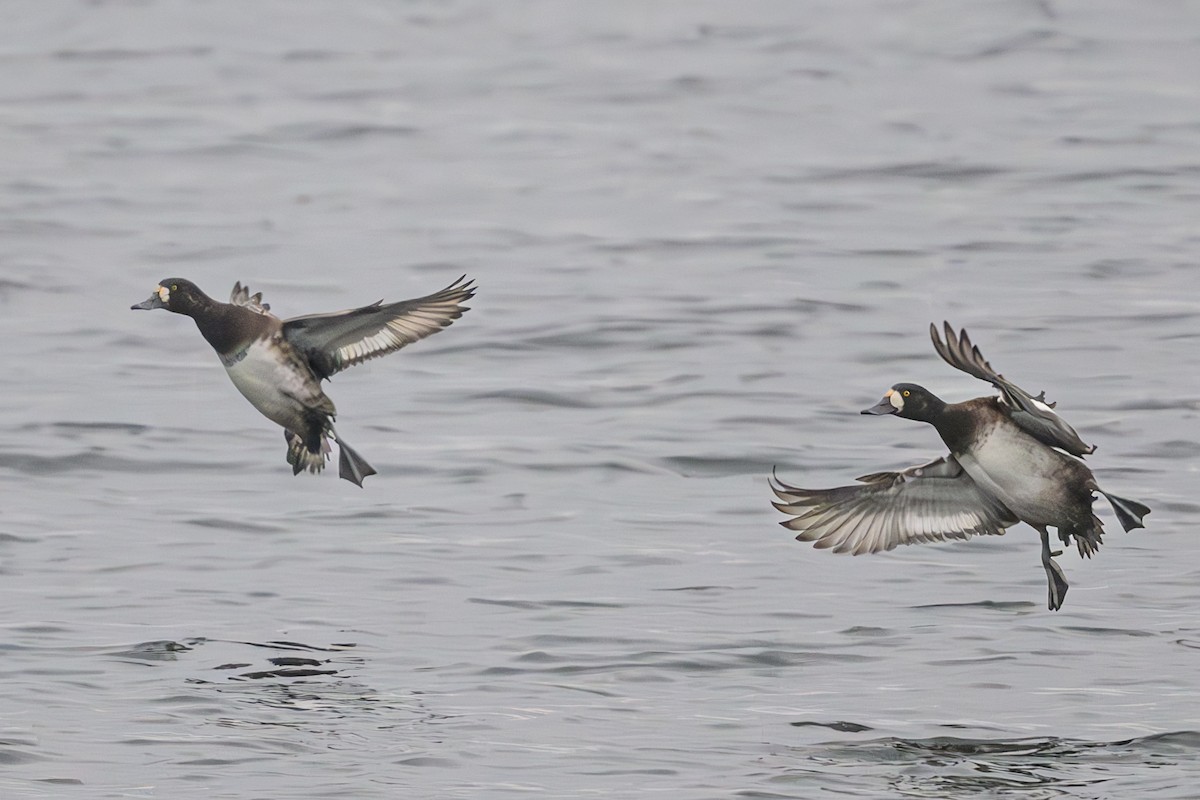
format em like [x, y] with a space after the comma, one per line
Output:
[950, 767]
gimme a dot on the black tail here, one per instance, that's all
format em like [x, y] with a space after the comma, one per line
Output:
[1129, 512]
[1087, 539]
[303, 457]
[351, 465]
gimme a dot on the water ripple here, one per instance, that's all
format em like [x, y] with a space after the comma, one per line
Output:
[950, 767]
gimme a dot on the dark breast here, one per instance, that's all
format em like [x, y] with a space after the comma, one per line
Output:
[962, 425]
[230, 329]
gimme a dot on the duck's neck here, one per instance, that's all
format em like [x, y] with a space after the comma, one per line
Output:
[217, 324]
[955, 424]
[194, 304]
[934, 407]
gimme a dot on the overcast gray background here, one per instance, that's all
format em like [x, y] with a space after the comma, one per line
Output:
[705, 236]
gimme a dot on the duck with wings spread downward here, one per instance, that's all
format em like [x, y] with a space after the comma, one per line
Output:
[1012, 459]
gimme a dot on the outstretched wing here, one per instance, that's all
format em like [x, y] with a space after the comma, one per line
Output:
[1033, 414]
[926, 503]
[333, 342]
[240, 296]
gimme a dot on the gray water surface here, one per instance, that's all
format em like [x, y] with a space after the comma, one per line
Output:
[705, 236]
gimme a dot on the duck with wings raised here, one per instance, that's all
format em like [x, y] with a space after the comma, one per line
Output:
[1012, 459]
[278, 364]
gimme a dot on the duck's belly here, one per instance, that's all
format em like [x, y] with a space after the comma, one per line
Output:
[276, 387]
[1033, 480]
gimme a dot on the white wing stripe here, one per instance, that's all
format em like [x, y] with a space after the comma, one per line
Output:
[398, 332]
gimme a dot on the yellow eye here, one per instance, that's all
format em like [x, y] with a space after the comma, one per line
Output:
[906, 392]
[174, 287]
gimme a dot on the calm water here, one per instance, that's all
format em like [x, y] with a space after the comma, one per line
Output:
[705, 235]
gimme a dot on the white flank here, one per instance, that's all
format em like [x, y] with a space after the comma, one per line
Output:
[273, 386]
[1019, 472]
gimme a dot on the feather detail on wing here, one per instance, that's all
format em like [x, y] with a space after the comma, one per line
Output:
[926, 503]
[333, 342]
[1035, 416]
[240, 296]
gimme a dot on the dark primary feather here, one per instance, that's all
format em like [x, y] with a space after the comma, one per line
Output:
[930, 502]
[1040, 423]
[333, 342]
[240, 296]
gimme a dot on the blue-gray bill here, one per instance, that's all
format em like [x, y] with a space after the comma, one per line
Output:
[884, 406]
[150, 303]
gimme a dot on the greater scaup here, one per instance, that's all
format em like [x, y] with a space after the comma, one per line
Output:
[1012, 459]
[278, 365]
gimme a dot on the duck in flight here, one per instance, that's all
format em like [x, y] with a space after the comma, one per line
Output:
[1012, 459]
[278, 364]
